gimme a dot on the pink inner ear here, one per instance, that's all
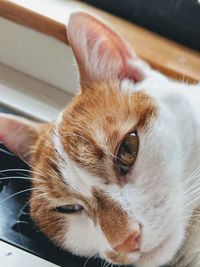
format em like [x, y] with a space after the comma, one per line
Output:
[100, 53]
[18, 134]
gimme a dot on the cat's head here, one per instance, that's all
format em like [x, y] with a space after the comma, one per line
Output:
[105, 174]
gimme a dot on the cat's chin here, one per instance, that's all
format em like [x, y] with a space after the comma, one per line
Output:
[157, 256]
[164, 252]
[122, 258]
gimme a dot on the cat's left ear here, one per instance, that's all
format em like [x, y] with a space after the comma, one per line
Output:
[101, 54]
[18, 134]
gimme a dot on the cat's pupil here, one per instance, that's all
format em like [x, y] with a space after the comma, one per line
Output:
[127, 152]
[69, 208]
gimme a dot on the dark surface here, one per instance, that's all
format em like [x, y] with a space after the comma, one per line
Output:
[16, 227]
[176, 19]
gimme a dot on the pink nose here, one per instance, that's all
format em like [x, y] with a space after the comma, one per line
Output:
[131, 244]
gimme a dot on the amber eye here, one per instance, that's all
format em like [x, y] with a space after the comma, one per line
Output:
[127, 153]
[69, 208]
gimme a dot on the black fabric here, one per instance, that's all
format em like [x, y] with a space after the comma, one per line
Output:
[176, 19]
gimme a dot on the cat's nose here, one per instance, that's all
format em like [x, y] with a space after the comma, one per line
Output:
[131, 244]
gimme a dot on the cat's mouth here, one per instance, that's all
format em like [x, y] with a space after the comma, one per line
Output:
[138, 257]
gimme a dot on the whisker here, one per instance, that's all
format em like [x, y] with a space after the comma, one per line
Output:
[192, 201]
[22, 170]
[7, 152]
[21, 177]
[21, 210]
[88, 259]
[20, 192]
[191, 176]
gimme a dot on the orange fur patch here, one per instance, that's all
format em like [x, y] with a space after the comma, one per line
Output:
[96, 122]
[112, 218]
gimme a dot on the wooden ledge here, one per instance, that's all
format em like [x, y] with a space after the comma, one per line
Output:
[169, 57]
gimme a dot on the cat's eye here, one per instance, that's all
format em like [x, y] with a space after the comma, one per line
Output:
[127, 152]
[69, 208]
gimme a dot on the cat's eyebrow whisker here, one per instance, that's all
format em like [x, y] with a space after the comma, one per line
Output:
[82, 137]
[44, 175]
[78, 135]
[20, 192]
[46, 171]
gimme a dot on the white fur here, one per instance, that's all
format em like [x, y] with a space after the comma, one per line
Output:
[92, 241]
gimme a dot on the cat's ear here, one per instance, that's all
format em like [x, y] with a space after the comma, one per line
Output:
[100, 53]
[18, 134]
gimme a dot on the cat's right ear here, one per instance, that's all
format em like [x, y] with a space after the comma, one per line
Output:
[101, 54]
[18, 134]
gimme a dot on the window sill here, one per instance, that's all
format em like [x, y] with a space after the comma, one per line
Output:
[30, 97]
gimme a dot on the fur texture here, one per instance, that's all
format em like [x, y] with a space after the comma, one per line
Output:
[149, 217]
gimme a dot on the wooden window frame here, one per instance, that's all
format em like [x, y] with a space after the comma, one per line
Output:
[172, 59]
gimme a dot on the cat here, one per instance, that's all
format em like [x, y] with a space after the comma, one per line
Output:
[117, 175]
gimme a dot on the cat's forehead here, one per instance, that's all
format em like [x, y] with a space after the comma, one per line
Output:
[92, 127]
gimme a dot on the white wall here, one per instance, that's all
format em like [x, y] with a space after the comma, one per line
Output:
[38, 55]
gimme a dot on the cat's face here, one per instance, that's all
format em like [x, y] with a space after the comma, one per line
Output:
[106, 178]
[77, 159]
